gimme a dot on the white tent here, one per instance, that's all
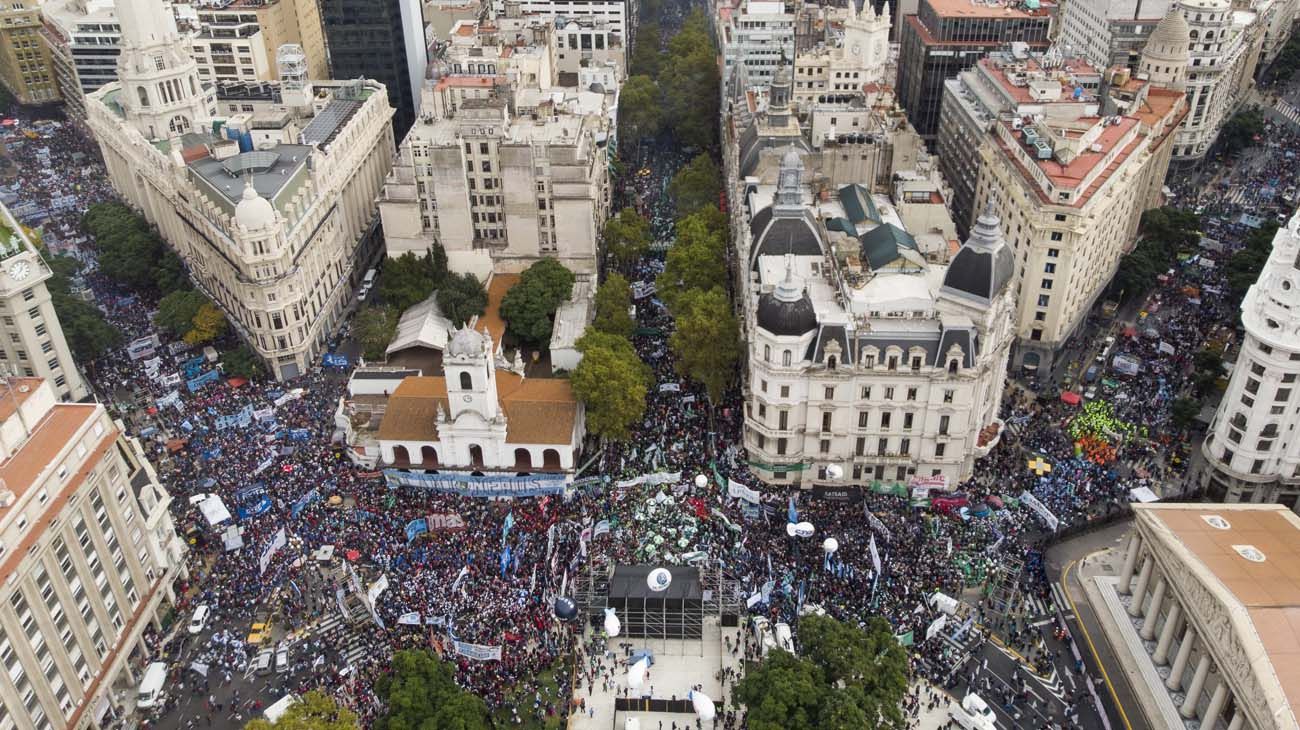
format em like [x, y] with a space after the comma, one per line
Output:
[214, 510]
[423, 325]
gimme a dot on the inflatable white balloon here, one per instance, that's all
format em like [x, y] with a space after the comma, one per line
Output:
[804, 529]
[830, 545]
[632, 724]
[659, 579]
[703, 706]
[834, 471]
[612, 625]
[701, 481]
[789, 529]
[636, 673]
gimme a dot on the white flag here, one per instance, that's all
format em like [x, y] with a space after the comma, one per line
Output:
[875, 555]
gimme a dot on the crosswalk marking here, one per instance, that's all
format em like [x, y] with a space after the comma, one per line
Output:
[1288, 110]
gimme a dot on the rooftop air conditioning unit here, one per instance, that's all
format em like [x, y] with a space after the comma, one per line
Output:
[6, 497]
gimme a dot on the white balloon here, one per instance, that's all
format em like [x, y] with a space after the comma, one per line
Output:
[789, 529]
[703, 706]
[612, 625]
[701, 481]
[834, 471]
[659, 579]
[632, 724]
[804, 529]
[830, 545]
[636, 673]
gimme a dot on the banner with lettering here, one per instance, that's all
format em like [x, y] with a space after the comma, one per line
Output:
[478, 652]
[467, 485]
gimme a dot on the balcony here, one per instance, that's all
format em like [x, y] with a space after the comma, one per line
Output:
[988, 437]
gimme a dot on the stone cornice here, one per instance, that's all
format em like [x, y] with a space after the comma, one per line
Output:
[1223, 625]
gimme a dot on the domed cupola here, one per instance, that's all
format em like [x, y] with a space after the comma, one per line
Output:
[787, 311]
[984, 266]
[254, 212]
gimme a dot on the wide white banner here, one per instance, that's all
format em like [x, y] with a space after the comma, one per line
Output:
[742, 492]
[269, 552]
[936, 626]
[653, 480]
[410, 618]
[478, 651]
[1040, 509]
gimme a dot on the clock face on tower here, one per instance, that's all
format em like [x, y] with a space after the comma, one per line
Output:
[857, 49]
[20, 270]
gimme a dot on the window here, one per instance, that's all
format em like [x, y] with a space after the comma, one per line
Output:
[1053, 252]
[826, 420]
[868, 361]
[905, 447]
[783, 420]
[907, 421]
[825, 446]
[893, 362]
[1283, 394]
[866, 392]
[882, 447]
[948, 395]
[785, 358]
[785, 391]
[889, 393]
[939, 450]
[863, 418]
[767, 353]
[830, 393]
[466, 381]
[884, 420]
[1044, 300]
[859, 447]
[916, 362]
[1056, 236]
[1047, 283]
[911, 393]
[780, 447]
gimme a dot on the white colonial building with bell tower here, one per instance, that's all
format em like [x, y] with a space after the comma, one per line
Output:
[267, 193]
[1250, 450]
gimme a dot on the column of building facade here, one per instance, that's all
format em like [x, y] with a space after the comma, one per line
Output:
[1217, 702]
[1188, 710]
[1130, 563]
[1140, 591]
[1238, 719]
[1175, 680]
[1161, 655]
[1152, 613]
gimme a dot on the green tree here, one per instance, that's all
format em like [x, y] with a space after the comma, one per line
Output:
[314, 711]
[177, 310]
[706, 340]
[639, 110]
[645, 57]
[209, 324]
[1183, 412]
[627, 237]
[612, 382]
[613, 299]
[1165, 233]
[87, 332]
[696, 261]
[1207, 368]
[375, 327]
[1239, 132]
[130, 251]
[242, 362]
[422, 694]
[407, 280]
[696, 185]
[461, 297]
[529, 307]
[688, 80]
[780, 693]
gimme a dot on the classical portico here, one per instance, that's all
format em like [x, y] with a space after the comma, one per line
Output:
[1206, 593]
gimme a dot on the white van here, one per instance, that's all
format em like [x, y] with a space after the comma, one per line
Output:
[784, 637]
[151, 686]
[975, 714]
[367, 284]
[276, 710]
[199, 621]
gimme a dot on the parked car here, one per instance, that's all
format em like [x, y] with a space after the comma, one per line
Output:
[199, 621]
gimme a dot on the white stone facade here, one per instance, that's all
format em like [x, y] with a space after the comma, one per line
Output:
[1248, 449]
[757, 34]
[273, 226]
[1225, 47]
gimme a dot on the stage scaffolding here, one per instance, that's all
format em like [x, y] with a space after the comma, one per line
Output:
[676, 613]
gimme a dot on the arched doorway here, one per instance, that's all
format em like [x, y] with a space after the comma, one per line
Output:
[551, 460]
[401, 455]
[1030, 362]
[523, 460]
[429, 456]
[476, 456]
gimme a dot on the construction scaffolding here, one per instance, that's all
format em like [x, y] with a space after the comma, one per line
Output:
[678, 612]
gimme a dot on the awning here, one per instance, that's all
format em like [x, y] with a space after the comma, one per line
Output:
[214, 510]
[1070, 397]
[236, 382]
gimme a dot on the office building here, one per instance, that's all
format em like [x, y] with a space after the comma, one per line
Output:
[25, 65]
[236, 40]
[383, 41]
[1224, 45]
[1249, 451]
[275, 217]
[504, 167]
[89, 556]
[83, 39]
[1109, 33]
[758, 34]
[865, 353]
[946, 37]
[1006, 83]
[855, 56]
[620, 16]
[1069, 182]
[33, 345]
[1199, 615]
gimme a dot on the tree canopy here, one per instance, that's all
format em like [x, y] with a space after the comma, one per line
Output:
[408, 280]
[1240, 130]
[846, 678]
[627, 236]
[639, 110]
[88, 334]
[613, 299]
[688, 80]
[696, 261]
[314, 711]
[422, 694]
[461, 297]
[189, 315]
[706, 339]
[612, 382]
[529, 307]
[1164, 233]
[374, 328]
[696, 185]
[645, 57]
[131, 253]
[242, 362]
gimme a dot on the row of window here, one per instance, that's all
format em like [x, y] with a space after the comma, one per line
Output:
[885, 447]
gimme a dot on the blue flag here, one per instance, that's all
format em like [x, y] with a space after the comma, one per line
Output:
[510, 522]
[791, 514]
[505, 560]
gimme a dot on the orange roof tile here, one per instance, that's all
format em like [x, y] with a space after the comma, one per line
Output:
[47, 439]
[467, 82]
[20, 395]
[538, 410]
[412, 413]
[968, 9]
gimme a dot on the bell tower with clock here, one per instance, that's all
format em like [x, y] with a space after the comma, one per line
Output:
[33, 344]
